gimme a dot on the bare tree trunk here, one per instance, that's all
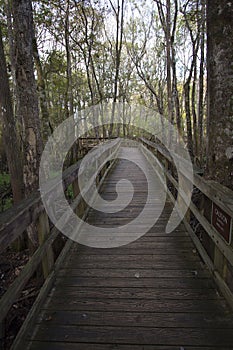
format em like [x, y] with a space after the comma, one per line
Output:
[169, 62]
[220, 90]
[165, 19]
[69, 90]
[201, 83]
[194, 113]
[188, 117]
[10, 136]
[176, 97]
[11, 51]
[174, 77]
[26, 91]
[119, 13]
[27, 98]
[69, 99]
[46, 125]
[191, 131]
[187, 89]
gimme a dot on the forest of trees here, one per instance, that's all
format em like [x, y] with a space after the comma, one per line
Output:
[58, 57]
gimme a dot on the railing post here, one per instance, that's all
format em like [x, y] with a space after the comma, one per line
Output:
[2, 334]
[80, 209]
[43, 231]
[218, 260]
[76, 191]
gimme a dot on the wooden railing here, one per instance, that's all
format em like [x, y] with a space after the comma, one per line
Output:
[85, 144]
[208, 219]
[15, 221]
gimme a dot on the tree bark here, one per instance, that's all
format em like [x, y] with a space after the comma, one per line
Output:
[119, 12]
[10, 136]
[28, 108]
[201, 82]
[194, 112]
[46, 125]
[220, 90]
[169, 62]
[69, 90]
[11, 52]
[188, 118]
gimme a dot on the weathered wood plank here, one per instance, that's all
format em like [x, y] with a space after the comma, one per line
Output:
[124, 305]
[135, 335]
[153, 258]
[126, 273]
[140, 265]
[137, 319]
[97, 346]
[164, 283]
[128, 249]
[151, 294]
[136, 293]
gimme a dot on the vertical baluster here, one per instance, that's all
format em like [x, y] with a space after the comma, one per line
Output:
[43, 231]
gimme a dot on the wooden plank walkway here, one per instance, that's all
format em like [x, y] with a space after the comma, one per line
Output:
[153, 293]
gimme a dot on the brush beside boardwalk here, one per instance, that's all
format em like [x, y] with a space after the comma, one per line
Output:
[158, 292]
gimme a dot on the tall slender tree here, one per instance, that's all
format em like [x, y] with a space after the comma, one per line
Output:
[119, 15]
[41, 86]
[10, 136]
[26, 90]
[201, 80]
[220, 90]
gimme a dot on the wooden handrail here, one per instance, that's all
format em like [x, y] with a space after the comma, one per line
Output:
[221, 195]
[215, 193]
[16, 220]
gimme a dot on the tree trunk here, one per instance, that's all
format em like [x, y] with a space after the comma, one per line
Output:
[119, 12]
[220, 90]
[176, 96]
[28, 108]
[201, 84]
[10, 136]
[169, 62]
[174, 76]
[188, 117]
[69, 90]
[194, 113]
[46, 125]
[11, 51]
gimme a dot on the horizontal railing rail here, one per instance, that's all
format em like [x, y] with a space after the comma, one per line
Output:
[15, 221]
[208, 219]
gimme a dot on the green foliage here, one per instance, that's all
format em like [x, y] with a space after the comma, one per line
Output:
[6, 202]
[91, 37]
[4, 180]
[70, 193]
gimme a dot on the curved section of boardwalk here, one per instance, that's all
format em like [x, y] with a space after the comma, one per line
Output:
[154, 293]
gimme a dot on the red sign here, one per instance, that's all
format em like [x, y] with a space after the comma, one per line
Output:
[222, 222]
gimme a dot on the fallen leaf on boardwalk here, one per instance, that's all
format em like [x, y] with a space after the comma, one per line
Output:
[137, 275]
[49, 318]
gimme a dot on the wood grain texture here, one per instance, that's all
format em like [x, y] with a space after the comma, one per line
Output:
[152, 294]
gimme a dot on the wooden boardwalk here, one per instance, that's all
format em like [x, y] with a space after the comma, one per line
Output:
[153, 293]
